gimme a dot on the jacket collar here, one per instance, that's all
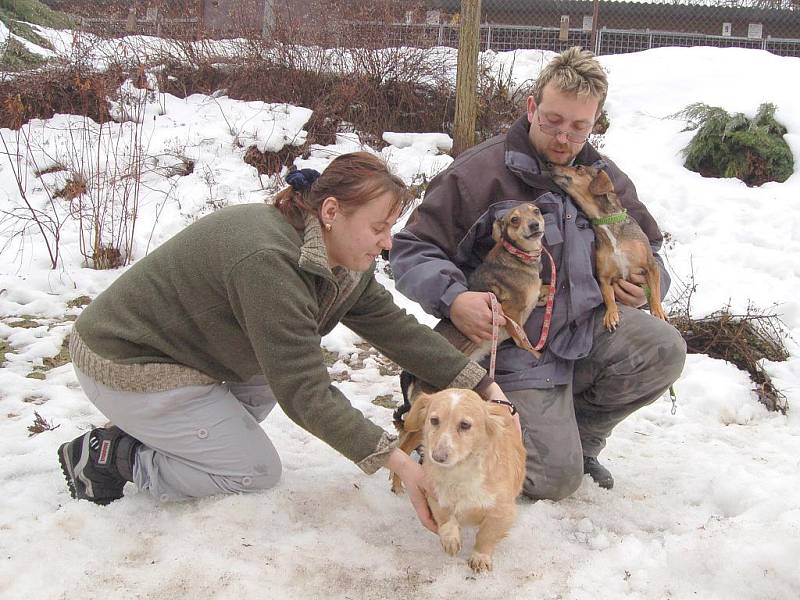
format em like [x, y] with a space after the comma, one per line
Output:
[314, 255]
[522, 160]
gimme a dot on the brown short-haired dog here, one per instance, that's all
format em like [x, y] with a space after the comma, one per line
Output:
[475, 461]
[510, 271]
[622, 246]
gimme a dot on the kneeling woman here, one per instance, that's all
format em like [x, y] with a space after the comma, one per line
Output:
[192, 347]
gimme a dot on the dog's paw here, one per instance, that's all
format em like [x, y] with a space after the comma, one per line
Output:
[658, 312]
[480, 562]
[397, 485]
[450, 538]
[451, 544]
[611, 320]
[543, 292]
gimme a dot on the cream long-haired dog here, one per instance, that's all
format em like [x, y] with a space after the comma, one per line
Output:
[475, 461]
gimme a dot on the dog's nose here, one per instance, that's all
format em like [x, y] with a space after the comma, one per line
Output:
[534, 227]
[440, 455]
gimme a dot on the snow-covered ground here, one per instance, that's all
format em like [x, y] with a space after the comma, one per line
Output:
[707, 501]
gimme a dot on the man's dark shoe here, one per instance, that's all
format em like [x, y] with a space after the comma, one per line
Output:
[97, 464]
[598, 472]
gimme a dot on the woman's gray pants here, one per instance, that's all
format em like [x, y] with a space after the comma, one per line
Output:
[197, 440]
[626, 369]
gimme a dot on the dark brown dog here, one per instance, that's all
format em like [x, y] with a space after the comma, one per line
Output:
[622, 246]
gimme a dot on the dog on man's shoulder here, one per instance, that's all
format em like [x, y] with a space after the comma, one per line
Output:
[475, 461]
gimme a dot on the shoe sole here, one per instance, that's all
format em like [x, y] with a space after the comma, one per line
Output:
[66, 469]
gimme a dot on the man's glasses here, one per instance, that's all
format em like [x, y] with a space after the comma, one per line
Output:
[552, 130]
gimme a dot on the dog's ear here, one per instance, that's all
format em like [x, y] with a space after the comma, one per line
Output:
[497, 230]
[601, 184]
[418, 413]
[498, 226]
[496, 418]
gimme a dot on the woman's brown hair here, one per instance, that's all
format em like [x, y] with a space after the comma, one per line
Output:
[354, 179]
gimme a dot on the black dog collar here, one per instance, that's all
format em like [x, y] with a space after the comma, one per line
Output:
[510, 406]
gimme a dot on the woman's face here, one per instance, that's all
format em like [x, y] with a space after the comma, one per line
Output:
[355, 239]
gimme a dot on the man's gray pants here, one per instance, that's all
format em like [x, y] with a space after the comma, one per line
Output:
[626, 369]
[197, 440]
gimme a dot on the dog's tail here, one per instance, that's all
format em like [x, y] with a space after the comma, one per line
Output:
[406, 383]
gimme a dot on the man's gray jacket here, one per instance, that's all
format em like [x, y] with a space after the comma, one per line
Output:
[449, 233]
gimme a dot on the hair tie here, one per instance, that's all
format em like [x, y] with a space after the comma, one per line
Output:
[302, 179]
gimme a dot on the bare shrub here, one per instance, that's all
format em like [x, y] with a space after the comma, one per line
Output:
[271, 163]
[744, 340]
[57, 89]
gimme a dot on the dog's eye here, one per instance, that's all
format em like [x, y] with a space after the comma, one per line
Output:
[464, 426]
[515, 220]
[435, 421]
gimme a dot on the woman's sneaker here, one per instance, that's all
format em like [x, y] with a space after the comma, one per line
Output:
[97, 464]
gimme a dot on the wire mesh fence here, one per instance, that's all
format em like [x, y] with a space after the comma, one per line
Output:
[605, 26]
[610, 27]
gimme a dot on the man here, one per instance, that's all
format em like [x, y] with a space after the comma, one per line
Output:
[588, 379]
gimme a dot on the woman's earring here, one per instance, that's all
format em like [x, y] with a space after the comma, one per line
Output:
[328, 226]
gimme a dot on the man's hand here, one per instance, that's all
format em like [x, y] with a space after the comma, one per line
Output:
[471, 313]
[630, 292]
[416, 484]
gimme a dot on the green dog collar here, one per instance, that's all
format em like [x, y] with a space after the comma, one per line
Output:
[611, 219]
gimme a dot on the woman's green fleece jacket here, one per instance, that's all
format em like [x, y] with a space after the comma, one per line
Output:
[242, 292]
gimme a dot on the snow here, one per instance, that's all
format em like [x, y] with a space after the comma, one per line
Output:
[5, 35]
[706, 502]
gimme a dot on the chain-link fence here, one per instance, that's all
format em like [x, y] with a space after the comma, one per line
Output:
[606, 27]
[613, 27]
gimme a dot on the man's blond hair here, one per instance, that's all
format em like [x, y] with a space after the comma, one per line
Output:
[574, 71]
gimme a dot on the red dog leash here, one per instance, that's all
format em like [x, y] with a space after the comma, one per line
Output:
[548, 317]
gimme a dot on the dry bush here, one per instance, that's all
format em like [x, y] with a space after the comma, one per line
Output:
[500, 101]
[74, 186]
[271, 163]
[351, 75]
[57, 89]
[403, 99]
[742, 340]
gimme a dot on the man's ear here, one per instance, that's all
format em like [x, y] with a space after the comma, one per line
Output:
[531, 105]
[415, 418]
[601, 184]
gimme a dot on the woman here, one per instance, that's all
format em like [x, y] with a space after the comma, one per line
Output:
[189, 349]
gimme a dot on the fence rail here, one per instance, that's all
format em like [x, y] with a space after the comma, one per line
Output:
[117, 27]
[517, 37]
[493, 36]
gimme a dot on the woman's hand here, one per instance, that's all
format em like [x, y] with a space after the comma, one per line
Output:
[416, 484]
